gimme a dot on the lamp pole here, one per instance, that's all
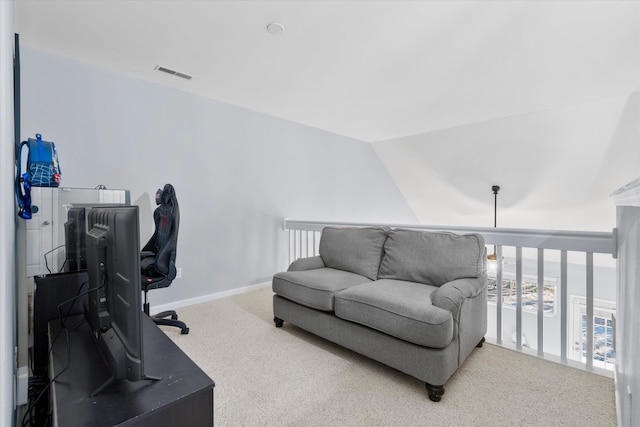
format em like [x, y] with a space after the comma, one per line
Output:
[495, 189]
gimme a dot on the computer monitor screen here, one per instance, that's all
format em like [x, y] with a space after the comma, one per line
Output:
[75, 230]
[114, 303]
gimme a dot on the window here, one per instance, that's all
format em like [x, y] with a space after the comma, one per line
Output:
[604, 355]
[529, 293]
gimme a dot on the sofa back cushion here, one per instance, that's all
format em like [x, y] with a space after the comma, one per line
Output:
[432, 258]
[357, 250]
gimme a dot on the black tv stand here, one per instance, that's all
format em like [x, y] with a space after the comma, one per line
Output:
[183, 396]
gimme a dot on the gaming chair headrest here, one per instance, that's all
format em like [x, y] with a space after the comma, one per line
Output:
[166, 195]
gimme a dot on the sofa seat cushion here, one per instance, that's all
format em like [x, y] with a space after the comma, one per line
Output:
[398, 308]
[315, 288]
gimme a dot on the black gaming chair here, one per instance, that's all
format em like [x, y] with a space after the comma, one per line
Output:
[158, 256]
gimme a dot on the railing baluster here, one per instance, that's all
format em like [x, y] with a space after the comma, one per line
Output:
[519, 297]
[589, 361]
[499, 293]
[315, 252]
[295, 244]
[563, 306]
[540, 302]
[300, 253]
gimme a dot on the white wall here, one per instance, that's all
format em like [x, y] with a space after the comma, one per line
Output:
[237, 173]
[556, 168]
[7, 216]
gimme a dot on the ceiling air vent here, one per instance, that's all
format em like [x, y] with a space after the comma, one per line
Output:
[173, 72]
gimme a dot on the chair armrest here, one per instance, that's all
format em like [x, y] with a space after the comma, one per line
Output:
[310, 263]
[146, 254]
[451, 295]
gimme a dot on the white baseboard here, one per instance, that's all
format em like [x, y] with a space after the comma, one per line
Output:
[174, 305]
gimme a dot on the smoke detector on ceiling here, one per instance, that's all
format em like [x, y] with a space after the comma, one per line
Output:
[173, 72]
[275, 28]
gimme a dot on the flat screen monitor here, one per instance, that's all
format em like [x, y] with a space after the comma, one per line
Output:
[114, 306]
[75, 230]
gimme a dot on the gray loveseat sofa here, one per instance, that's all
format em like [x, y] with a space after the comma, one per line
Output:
[413, 300]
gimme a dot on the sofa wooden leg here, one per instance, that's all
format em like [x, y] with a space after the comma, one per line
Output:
[279, 322]
[481, 342]
[435, 392]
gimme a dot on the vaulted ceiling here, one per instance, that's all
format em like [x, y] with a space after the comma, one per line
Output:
[371, 70]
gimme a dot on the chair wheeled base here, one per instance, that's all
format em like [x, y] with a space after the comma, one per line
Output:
[161, 318]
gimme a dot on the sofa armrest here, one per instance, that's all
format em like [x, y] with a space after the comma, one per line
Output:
[451, 295]
[310, 263]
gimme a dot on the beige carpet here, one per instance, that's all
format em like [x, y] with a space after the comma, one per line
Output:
[288, 377]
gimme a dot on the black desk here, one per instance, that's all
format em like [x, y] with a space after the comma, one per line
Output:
[184, 396]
